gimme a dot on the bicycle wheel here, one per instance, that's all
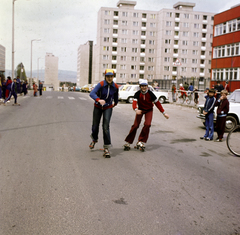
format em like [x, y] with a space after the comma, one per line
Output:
[188, 99]
[233, 140]
[182, 99]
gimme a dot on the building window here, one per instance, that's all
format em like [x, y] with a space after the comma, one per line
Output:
[106, 39]
[194, 70]
[142, 59]
[184, 43]
[186, 16]
[122, 66]
[114, 66]
[151, 42]
[184, 69]
[166, 59]
[153, 25]
[143, 33]
[194, 61]
[106, 30]
[135, 41]
[165, 77]
[150, 59]
[167, 50]
[106, 21]
[134, 58]
[124, 31]
[167, 41]
[122, 75]
[134, 50]
[105, 48]
[123, 49]
[133, 76]
[144, 24]
[195, 34]
[105, 57]
[184, 51]
[168, 32]
[135, 32]
[196, 26]
[115, 31]
[152, 16]
[124, 22]
[152, 33]
[123, 58]
[135, 15]
[135, 23]
[169, 14]
[168, 23]
[195, 52]
[142, 50]
[144, 15]
[196, 17]
[107, 13]
[184, 60]
[115, 13]
[150, 68]
[141, 67]
[125, 14]
[195, 43]
[133, 67]
[114, 39]
[105, 66]
[124, 40]
[114, 49]
[185, 34]
[166, 68]
[114, 57]
[185, 25]
[151, 51]
[115, 22]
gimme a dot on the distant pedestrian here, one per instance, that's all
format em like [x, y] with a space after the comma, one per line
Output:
[0, 88]
[227, 88]
[222, 111]
[18, 85]
[13, 91]
[40, 88]
[8, 86]
[185, 86]
[4, 89]
[196, 96]
[219, 87]
[35, 89]
[208, 112]
[174, 93]
[24, 87]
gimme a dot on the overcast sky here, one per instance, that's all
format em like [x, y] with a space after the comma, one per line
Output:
[63, 25]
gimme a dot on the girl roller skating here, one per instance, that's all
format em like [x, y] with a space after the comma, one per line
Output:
[143, 105]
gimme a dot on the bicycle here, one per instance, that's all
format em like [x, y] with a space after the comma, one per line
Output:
[233, 141]
[185, 97]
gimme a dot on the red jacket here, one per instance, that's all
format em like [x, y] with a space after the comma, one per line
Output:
[145, 101]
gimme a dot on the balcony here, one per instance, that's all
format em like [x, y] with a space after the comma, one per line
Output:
[176, 28]
[203, 48]
[115, 35]
[114, 44]
[175, 55]
[176, 37]
[205, 21]
[144, 28]
[201, 74]
[202, 65]
[204, 30]
[115, 17]
[175, 46]
[114, 52]
[142, 54]
[115, 26]
[144, 19]
[143, 46]
[143, 37]
[204, 39]
[174, 73]
[203, 57]
[177, 19]
[142, 63]
[141, 71]
[114, 61]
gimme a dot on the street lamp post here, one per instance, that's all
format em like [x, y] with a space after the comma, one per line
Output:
[13, 39]
[31, 60]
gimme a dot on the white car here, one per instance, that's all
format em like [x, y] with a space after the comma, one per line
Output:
[128, 94]
[233, 117]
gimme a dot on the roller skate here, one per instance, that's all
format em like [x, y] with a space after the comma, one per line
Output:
[126, 147]
[140, 146]
[17, 104]
[106, 153]
[92, 144]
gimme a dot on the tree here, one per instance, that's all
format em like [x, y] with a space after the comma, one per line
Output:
[21, 72]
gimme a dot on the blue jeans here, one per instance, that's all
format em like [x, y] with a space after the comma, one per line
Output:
[209, 126]
[97, 114]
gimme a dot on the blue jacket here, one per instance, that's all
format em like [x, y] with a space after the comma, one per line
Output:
[104, 91]
[209, 104]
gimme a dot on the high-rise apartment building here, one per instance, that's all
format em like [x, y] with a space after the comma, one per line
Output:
[2, 59]
[151, 44]
[85, 66]
[226, 51]
[51, 72]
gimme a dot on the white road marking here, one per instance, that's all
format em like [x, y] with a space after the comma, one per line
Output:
[71, 98]
[60, 97]
[81, 98]
[49, 97]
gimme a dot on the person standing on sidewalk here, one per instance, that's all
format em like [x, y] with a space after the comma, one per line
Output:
[40, 88]
[208, 110]
[222, 111]
[143, 102]
[104, 94]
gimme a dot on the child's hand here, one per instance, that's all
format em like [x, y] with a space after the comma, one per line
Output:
[102, 102]
[204, 112]
[138, 112]
[166, 116]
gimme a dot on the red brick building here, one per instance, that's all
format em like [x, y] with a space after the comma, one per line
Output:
[226, 52]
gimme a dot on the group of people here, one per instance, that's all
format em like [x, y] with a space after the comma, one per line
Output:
[105, 95]
[222, 103]
[9, 88]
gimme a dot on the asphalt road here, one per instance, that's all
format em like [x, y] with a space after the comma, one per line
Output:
[52, 183]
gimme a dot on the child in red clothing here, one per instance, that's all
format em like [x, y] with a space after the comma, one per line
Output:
[143, 105]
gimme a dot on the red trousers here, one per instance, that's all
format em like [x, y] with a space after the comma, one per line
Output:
[145, 130]
[220, 126]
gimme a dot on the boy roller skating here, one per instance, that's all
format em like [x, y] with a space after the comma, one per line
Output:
[104, 94]
[13, 91]
[143, 105]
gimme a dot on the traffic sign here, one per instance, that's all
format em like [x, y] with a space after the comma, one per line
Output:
[177, 63]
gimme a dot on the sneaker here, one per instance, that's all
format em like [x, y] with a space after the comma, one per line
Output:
[92, 144]
[202, 137]
[106, 153]
[218, 140]
[208, 139]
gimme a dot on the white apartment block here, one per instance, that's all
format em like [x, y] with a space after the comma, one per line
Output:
[146, 44]
[85, 64]
[51, 72]
[2, 59]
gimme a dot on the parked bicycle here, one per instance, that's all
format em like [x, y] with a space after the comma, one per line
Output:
[233, 141]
